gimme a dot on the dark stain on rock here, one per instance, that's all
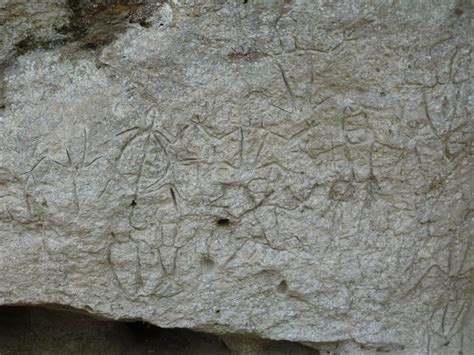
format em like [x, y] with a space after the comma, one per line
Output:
[91, 24]
[30, 43]
[96, 23]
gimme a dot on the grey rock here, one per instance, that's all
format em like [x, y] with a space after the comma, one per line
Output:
[296, 171]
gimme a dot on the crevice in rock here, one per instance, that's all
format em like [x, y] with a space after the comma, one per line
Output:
[58, 329]
[54, 329]
[3, 103]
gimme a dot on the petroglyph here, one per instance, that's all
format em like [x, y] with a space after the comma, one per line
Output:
[301, 171]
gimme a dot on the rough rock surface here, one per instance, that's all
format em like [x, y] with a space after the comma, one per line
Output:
[293, 170]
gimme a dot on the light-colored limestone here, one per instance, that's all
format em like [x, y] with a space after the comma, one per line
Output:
[298, 172]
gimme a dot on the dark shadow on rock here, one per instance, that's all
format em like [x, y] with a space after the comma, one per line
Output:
[60, 330]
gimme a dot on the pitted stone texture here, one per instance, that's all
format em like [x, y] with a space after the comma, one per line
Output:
[298, 172]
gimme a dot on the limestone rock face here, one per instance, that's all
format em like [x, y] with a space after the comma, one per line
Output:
[294, 170]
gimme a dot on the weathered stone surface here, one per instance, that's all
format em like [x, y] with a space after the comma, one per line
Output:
[296, 171]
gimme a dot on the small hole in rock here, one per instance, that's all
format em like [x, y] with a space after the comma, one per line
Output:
[223, 222]
[282, 287]
[145, 24]
[133, 203]
[218, 311]
[91, 45]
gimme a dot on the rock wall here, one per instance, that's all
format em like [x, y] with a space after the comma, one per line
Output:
[287, 170]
